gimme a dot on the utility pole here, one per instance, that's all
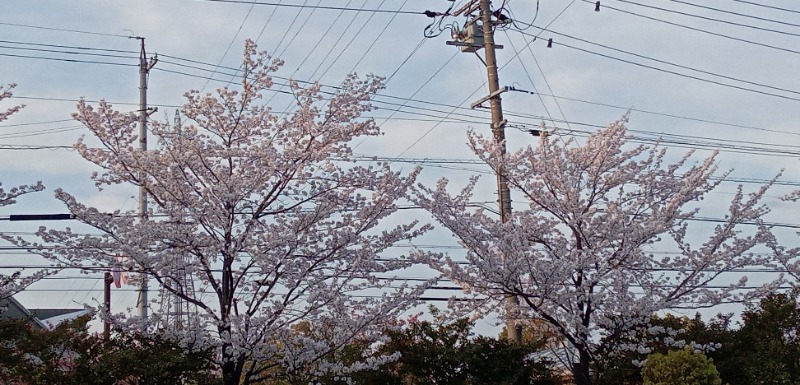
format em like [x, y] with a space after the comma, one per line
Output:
[471, 39]
[108, 279]
[144, 71]
[513, 328]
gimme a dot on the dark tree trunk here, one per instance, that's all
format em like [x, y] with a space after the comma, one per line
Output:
[231, 369]
[229, 372]
[581, 369]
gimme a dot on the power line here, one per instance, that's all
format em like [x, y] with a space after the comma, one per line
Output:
[669, 115]
[17, 42]
[661, 61]
[767, 6]
[707, 18]
[380, 34]
[530, 78]
[318, 7]
[67, 52]
[35, 123]
[340, 38]
[324, 35]
[671, 72]
[291, 25]
[26, 134]
[472, 118]
[24, 147]
[429, 102]
[97, 269]
[230, 44]
[67, 60]
[66, 30]
[736, 13]
[722, 35]
[350, 42]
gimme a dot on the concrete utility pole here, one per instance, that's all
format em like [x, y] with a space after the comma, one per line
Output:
[471, 39]
[496, 105]
[513, 328]
[144, 71]
[108, 279]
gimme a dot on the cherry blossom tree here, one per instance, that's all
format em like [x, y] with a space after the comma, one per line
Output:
[579, 255]
[16, 281]
[267, 214]
[787, 257]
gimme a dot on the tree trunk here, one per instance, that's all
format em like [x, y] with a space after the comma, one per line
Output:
[580, 369]
[229, 372]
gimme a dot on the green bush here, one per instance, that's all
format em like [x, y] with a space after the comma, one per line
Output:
[680, 367]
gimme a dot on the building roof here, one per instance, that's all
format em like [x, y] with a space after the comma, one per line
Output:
[39, 318]
[44, 314]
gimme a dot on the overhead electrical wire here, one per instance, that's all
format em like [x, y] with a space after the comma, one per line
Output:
[533, 84]
[684, 144]
[49, 131]
[717, 34]
[689, 142]
[68, 60]
[674, 116]
[405, 61]
[707, 18]
[405, 279]
[233, 40]
[68, 52]
[483, 84]
[661, 61]
[425, 83]
[324, 35]
[332, 8]
[377, 37]
[82, 48]
[349, 43]
[435, 161]
[365, 52]
[266, 23]
[745, 15]
[401, 98]
[767, 6]
[291, 26]
[35, 123]
[27, 147]
[100, 269]
[428, 102]
[66, 30]
[339, 39]
[671, 72]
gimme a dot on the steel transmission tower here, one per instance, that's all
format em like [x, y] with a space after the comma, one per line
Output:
[176, 312]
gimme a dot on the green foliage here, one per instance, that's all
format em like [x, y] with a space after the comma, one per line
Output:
[444, 354]
[617, 367]
[69, 355]
[448, 354]
[680, 367]
[768, 344]
[764, 350]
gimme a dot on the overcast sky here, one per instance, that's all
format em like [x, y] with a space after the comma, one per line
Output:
[717, 74]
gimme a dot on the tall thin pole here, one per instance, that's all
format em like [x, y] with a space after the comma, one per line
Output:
[144, 69]
[107, 281]
[513, 328]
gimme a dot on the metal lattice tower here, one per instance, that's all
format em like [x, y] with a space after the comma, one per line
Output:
[176, 311]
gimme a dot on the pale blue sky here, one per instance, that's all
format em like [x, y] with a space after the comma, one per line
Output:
[758, 109]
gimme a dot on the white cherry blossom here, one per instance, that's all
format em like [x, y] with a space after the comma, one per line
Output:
[267, 214]
[578, 256]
